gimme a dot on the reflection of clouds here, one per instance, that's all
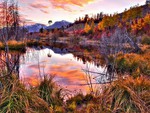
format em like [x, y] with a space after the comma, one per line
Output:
[32, 80]
[67, 70]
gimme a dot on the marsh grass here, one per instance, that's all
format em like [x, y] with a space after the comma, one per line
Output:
[50, 92]
[126, 95]
[13, 45]
[16, 98]
[134, 64]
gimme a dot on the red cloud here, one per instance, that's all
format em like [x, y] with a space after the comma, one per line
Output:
[64, 4]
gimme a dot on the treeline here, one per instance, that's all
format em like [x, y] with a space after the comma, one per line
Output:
[136, 20]
[96, 18]
[10, 21]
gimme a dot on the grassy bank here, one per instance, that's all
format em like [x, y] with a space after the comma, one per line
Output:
[21, 46]
[134, 64]
[13, 45]
[126, 95]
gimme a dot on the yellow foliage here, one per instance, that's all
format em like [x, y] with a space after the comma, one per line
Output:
[14, 42]
[87, 28]
[101, 25]
[59, 109]
[72, 106]
[120, 25]
[147, 19]
[109, 21]
[1, 44]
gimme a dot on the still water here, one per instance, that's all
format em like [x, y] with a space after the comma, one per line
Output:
[69, 71]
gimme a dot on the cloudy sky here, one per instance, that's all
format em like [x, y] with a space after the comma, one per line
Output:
[40, 11]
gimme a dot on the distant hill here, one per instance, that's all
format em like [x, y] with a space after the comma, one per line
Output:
[109, 22]
[59, 24]
[35, 27]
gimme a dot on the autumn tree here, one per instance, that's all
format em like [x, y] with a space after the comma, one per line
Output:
[87, 28]
[141, 25]
[9, 20]
[116, 43]
[133, 13]
[9, 24]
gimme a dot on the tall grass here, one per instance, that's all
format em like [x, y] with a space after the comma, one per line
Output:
[16, 98]
[50, 92]
[134, 64]
[129, 95]
[126, 95]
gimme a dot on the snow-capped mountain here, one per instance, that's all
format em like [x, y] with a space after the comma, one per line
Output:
[59, 24]
[35, 27]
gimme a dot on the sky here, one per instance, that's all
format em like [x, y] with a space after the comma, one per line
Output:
[40, 11]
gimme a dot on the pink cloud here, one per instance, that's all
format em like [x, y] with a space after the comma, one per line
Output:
[39, 6]
[44, 11]
[23, 18]
[65, 4]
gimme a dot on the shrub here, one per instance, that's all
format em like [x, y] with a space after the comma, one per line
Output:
[146, 40]
[134, 64]
[75, 39]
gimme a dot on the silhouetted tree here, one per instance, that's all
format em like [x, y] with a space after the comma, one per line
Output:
[86, 18]
[49, 22]
[41, 30]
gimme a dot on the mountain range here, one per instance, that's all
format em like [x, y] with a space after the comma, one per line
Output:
[36, 27]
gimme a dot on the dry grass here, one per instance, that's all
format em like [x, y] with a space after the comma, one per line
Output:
[126, 95]
[50, 92]
[15, 98]
[134, 64]
[13, 45]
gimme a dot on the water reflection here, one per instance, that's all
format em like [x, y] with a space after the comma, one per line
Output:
[9, 63]
[66, 67]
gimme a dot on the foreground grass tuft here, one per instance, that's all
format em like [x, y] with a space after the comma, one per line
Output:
[16, 98]
[50, 92]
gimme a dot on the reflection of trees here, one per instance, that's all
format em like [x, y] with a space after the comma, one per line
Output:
[33, 55]
[83, 53]
[95, 59]
[14, 63]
